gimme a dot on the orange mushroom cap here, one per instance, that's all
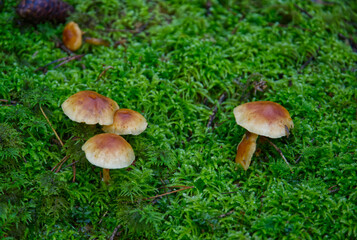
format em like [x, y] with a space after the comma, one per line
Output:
[127, 121]
[264, 118]
[90, 107]
[109, 151]
[72, 36]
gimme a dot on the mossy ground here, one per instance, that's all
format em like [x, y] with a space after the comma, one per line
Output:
[172, 61]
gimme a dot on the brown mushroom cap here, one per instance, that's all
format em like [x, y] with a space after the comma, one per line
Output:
[108, 150]
[90, 107]
[264, 118]
[72, 36]
[127, 121]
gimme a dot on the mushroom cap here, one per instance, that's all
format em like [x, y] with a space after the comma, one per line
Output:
[108, 150]
[72, 36]
[127, 121]
[90, 107]
[264, 118]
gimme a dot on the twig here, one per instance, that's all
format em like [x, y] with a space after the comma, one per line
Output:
[71, 164]
[226, 214]
[280, 152]
[68, 60]
[350, 40]
[101, 219]
[144, 26]
[309, 60]
[172, 187]
[104, 71]
[59, 139]
[115, 232]
[214, 112]
[333, 189]
[59, 44]
[63, 159]
[161, 195]
[208, 6]
[74, 171]
[55, 61]
[59, 167]
[303, 10]
[298, 159]
[8, 101]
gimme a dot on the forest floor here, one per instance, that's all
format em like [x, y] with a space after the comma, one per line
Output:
[184, 65]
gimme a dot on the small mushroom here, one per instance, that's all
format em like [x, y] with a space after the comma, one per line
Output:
[127, 121]
[90, 107]
[108, 151]
[264, 118]
[72, 36]
[96, 41]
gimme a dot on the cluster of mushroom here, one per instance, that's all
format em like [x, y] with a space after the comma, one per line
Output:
[263, 118]
[107, 150]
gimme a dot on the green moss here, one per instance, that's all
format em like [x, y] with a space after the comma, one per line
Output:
[172, 61]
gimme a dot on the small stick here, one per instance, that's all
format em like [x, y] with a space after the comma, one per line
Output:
[161, 195]
[68, 60]
[208, 6]
[74, 171]
[8, 101]
[214, 112]
[281, 153]
[59, 167]
[333, 189]
[59, 139]
[55, 61]
[303, 10]
[298, 159]
[115, 232]
[63, 159]
[172, 187]
[226, 214]
[309, 60]
[144, 26]
[101, 219]
[352, 43]
[104, 71]
[71, 164]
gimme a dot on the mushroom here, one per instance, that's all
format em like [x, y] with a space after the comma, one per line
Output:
[108, 151]
[90, 107]
[96, 41]
[263, 118]
[72, 36]
[127, 121]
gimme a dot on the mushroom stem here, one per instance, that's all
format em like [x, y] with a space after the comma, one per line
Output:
[106, 176]
[245, 149]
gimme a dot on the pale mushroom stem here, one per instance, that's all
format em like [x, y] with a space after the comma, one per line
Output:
[106, 176]
[246, 149]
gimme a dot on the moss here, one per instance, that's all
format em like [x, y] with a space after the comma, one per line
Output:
[172, 61]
